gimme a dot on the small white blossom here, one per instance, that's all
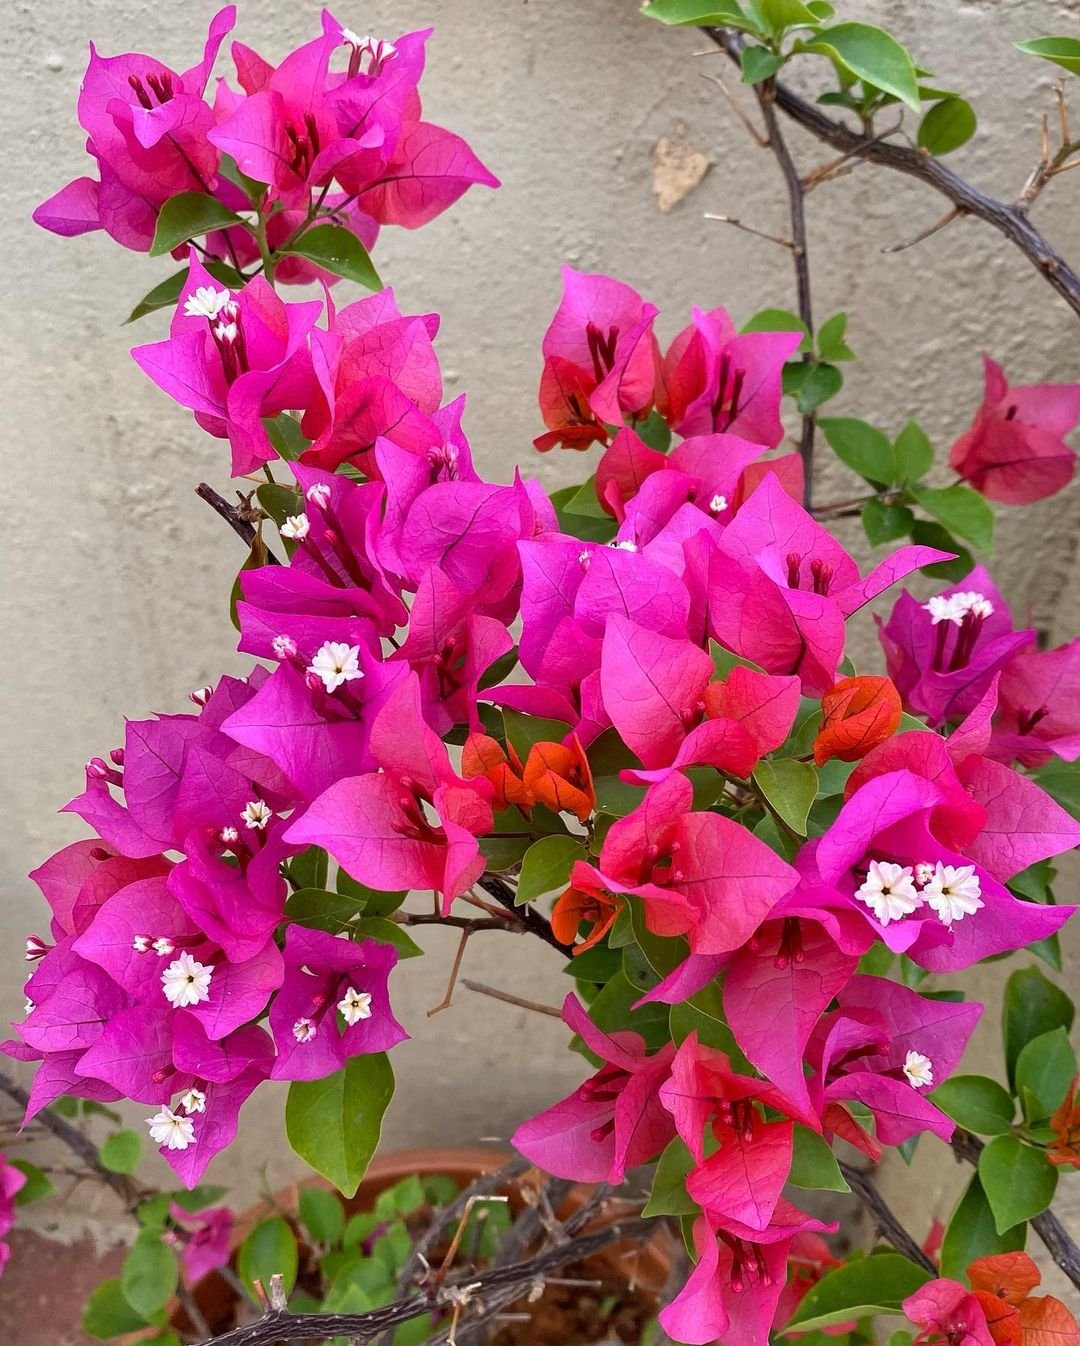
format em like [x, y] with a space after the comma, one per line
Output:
[889, 891]
[352, 39]
[625, 545]
[228, 836]
[296, 527]
[141, 943]
[972, 601]
[256, 814]
[953, 892]
[718, 504]
[284, 647]
[171, 1130]
[193, 1101]
[186, 981]
[919, 1070]
[318, 495]
[163, 946]
[206, 302]
[336, 663]
[304, 1030]
[924, 872]
[944, 608]
[355, 1005]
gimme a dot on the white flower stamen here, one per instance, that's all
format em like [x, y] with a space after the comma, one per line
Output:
[193, 1101]
[29, 1007]
[336, 663]
[206, 302]
[163, 946]
[296, 527]
[228, 836]
[953, 892]
[226, 332]
[919, 1070]
[355, 1005]
[889, 891]
[141, 943]
[171, 1130]
[304, 1030]
[284, 647]
[318, 495]
[943, 608]
[186, 981]
[256, 814]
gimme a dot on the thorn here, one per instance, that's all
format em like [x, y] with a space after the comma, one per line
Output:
[758, 233]
[946, 219]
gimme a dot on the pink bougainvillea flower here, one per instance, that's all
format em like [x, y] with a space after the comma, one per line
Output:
[205, 1239]
[147, 128]
[378, 826]
[614, 1121]
[886, 1047]
[599, 361]
[1039, 707]
[430, 169]
[732, 1293]
[234, 359]
[741, 1180]
[12, 1181]
[334, 1004]
[779, 587]
[948, 1311]
[715, 380]
[942, 655]
[1015, 450]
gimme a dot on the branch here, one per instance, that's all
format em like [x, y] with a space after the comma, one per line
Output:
[1008, 219]
[888, 1226]
[532, 920]
[496, 1283]
[1055, 1237]
[241, 526]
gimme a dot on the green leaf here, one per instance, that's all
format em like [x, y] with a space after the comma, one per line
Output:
[611, 1011]
[108, 1314]
[813, 1164]
[759, 63]
[877, 1284]
[198, 1198]
[120, 1152]
[790, 788]
[522, 731]
[1033, 1006]
[333, 1124]
[376, 903]
[885, 523]
[669, 1195]
[726, 13]
[149, 1274]
[963, 512]
[269, 1250]
[584, 501]
[1019, 1182]
[779, 320]
[187, 216]
[655, 432]
[863, 448]
[284, 433]
[913, 452]
[781, 14]
[278, 501]
[321, 1214]
[547, 866]
[978, 1104]
[1063, 51]
[971, 1233]
[1061, 780]
[167, 293]
[322, 910]
[948, 125]
[1044, 1070]
[388, 932]
[874, 56]
[830, 339]
[933, 535]
[820, 383]
[36, 1186]
[337, 249]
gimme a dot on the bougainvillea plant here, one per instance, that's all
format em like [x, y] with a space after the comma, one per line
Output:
[622, 716]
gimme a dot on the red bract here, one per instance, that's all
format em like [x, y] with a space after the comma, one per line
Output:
[856, 715]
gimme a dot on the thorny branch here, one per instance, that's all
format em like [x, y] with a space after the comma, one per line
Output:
[234, 517]
[886, 1223]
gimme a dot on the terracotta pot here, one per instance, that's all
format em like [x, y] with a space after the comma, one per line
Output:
[646, 1265]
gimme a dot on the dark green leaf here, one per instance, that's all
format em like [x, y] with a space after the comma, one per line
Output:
[859, 1289]
[820, 383]
[284, 433]
[813, 1164]
[963, 512]
[611, 1011]
[862, 447]
[1019, 1182]
[1044, 1070]
[279, 501]
[789, 787]
[759, 63]
[976, 1103]
[167, 293]
[971, 1233]
[913, 452]
[337, 249]
[36, 1186]
[874, 56]
[108, 1314]
[547, 866]
[522, 731]
[669, 1195]
[149, 1274]
[120, 1152]
[948, 125]
[269, 1250]
[1063, 51]
[189, 215]
[1033, 1006]
[198, 1198]
[885, 523]
[375, 903]
[933, 535]
[584, 501]
[322, 910]
[321, 1214]
[333, 1124]
[1061, 780]
[655, 432]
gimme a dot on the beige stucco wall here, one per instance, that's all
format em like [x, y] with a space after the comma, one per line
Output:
[117, 576]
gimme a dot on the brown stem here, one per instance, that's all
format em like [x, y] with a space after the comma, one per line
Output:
[1008, 219]
[507, 998]
[241, 527]
[886, 1223]
[532, 920]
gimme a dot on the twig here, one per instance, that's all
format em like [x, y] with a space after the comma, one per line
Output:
[241, 527]
[1055, 1237]
[470, 923]
[755, 135]
[448, 999]
[1008, 220]
[532, 920]
[888, 1226]
[931, 229]
[827, 171]
[748, 229]
[520, 1001]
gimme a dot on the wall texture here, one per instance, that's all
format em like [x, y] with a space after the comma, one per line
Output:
[117, 576]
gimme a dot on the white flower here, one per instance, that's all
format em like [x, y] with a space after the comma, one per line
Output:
[352, 39]
[318, 495]
[256, 814]
[141, 943]
[919, 1070]
[924, 872]
[336, 663]
[193, 1101]
[355, 1006]
[625, 545]
[718, 504]
[162, 946]
[296, 527]
[973, 601]
[186, 981]
[226, 332]
[284, 647]
[944, 608]
[889, 891]
[166, 1128]
[29, 1007]
[228, 836]
[304, 1030]
[954, 892]
[206, 302]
